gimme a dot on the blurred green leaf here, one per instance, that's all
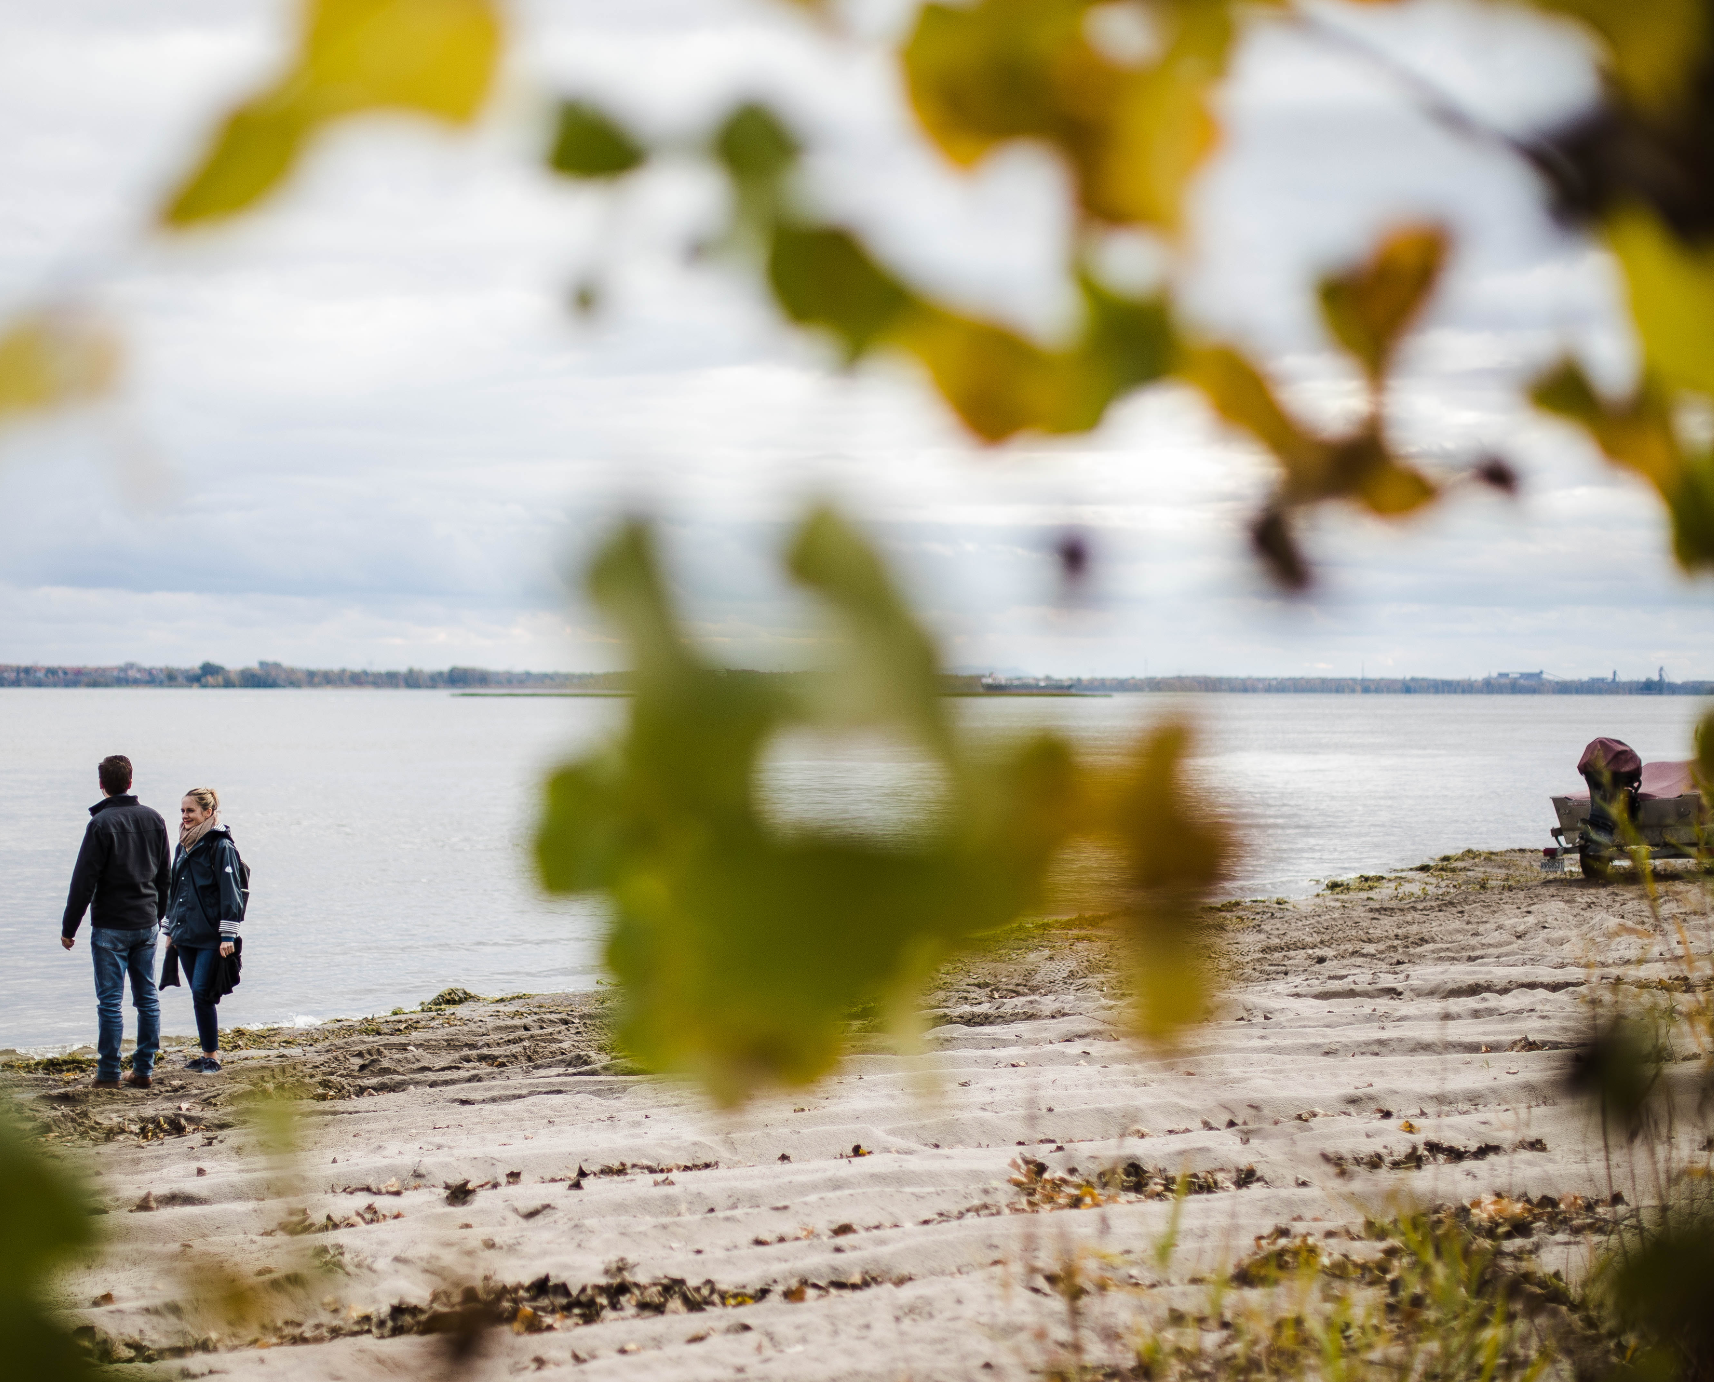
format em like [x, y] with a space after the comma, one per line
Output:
[48, 359]
[44, 1219]
[588, 143]
[742, 947]
[823, 277]
[1638, 433]
[1001, 384]
[755, 145]
[1369, 307]
[885, 670]
[757, 151]
[1128, 341]
[432, 57]
[256, 148]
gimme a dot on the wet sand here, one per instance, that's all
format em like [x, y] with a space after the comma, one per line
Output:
[1405, 1042]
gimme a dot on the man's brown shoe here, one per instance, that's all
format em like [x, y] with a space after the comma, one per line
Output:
[104, 1084]
[138, 1081]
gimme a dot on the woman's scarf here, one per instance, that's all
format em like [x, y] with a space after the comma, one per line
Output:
[188, 836]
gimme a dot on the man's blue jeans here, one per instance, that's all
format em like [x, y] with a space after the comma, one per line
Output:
[118, 953]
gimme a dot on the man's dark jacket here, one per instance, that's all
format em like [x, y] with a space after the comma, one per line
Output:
[123, 870]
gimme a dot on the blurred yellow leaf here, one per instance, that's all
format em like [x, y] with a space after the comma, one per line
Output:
[48, 359]
[433, 57]
[1161, 129]
[1656, 47]
[588, 143]
[1238, 393]
[1174, 855]
[996, 381]
[1357, 467]
[1638, 433]
[1370, 307]
[1133, 135]
[1672, 296]
[1001, 384]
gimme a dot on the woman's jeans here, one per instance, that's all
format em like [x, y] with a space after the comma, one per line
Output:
[201, 966]
[117, 953]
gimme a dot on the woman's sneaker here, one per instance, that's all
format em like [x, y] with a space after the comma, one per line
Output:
[203, 1065]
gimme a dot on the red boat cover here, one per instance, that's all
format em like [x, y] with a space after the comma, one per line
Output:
[1667, 779]
[1659, 780]
[1611, 755]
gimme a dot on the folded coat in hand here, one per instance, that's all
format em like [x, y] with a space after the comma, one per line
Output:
[227, 979]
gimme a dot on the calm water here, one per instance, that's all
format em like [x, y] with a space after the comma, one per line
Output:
[385, 829]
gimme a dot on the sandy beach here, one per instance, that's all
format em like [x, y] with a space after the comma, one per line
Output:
[482, 1190]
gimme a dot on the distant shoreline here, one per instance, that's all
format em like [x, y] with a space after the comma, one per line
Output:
[478, 681]
[548, 695]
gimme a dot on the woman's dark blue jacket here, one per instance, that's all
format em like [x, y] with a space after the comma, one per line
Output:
[205, 881]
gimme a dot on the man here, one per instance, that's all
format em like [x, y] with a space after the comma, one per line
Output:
[122, 876]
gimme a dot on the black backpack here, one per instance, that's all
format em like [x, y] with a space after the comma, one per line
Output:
[243, 876]
[243, 879]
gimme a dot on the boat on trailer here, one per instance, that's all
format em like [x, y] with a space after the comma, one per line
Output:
[1631, 810]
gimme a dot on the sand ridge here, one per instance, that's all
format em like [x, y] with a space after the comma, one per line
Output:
[1407, 1039]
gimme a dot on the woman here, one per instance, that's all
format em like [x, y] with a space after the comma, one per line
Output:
[204, 908]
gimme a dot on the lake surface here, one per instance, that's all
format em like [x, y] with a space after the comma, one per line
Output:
[386, 830]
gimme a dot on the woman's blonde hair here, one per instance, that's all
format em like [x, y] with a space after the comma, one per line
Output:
[205, 797]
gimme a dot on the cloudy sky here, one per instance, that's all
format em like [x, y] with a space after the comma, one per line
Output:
[364, 429]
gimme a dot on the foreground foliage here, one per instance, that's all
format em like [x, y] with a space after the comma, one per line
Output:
[743, 944]
[44, 1220]
[1428, 1297]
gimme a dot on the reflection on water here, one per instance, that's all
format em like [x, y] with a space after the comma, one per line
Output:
[385, 829]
